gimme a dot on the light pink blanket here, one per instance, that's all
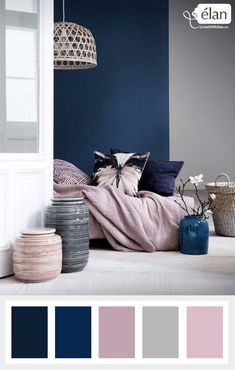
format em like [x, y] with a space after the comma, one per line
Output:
[149, 223]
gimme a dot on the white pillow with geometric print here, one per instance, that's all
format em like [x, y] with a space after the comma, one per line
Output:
[121, 170]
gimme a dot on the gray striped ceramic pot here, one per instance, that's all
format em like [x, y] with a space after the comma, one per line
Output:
[70, 218]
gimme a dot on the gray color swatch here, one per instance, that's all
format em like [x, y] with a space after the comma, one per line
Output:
[160, 332]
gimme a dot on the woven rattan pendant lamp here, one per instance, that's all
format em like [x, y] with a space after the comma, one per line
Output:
[74, 46]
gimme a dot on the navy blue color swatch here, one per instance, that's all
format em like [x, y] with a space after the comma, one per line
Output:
[124, 101]
[73, 332]
[29, 332]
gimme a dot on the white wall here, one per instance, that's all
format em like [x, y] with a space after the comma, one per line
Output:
[202, 95]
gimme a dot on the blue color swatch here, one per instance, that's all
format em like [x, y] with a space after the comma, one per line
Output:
[29, 332]
[73, 332]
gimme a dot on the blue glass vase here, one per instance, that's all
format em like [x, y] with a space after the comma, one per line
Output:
[194, 235]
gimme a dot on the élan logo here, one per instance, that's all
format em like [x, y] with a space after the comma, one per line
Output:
[209, 16]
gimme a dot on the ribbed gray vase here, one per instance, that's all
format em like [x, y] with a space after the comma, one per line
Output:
[70, 218]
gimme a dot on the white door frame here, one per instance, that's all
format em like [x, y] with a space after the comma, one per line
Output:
[26, 179]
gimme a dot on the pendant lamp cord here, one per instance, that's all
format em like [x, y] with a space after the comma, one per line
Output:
[63, 11]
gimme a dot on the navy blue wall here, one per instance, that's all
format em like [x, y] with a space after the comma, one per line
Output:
[123, 102]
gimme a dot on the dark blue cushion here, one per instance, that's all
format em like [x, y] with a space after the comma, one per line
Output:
[158, 176]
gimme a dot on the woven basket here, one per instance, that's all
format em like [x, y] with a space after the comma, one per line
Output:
[223, 206]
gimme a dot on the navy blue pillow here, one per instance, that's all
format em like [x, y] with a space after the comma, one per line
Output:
[158, 176]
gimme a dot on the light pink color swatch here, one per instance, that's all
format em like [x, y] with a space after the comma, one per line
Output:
[116, 332]
[204, 332]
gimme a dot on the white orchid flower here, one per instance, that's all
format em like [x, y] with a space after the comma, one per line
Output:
[196, 179]
[212, 196]
[208, 213]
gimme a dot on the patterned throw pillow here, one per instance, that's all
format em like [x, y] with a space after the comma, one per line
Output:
[121, 170]
[68, 174]
[158, 176]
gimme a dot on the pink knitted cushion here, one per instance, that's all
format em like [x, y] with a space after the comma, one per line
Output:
[67, 173]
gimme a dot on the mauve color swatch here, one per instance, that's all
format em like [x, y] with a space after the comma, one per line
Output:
[29, 332]
[160, 332]
[116, 332]
[73, 332]
[205, 332]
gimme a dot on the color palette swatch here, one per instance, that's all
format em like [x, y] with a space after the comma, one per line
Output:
[73, 332]
[160, 332]
[29, 332]
[116, 332]
[148, 332]
[205, 332]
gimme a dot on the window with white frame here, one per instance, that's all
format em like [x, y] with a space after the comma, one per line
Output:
[19, 76]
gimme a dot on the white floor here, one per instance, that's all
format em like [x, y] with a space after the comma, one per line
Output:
[137, 273]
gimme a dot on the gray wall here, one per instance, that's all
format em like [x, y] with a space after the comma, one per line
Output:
[202, 94]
